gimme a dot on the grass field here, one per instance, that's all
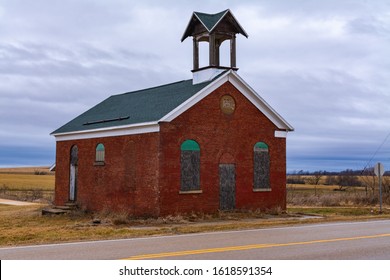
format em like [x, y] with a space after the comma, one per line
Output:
[26, 184]
[27, 181]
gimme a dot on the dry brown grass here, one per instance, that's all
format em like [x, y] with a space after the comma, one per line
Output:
[323, 195]
[21, 225]
[25, 225]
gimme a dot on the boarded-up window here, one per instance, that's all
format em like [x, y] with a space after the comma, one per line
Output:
[261, 166]
[100, 153]
[190, 166]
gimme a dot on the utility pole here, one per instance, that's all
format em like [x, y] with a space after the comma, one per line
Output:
[379, 170]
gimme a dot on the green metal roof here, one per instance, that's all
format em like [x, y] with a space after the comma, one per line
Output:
[210, 20]
[148, 105]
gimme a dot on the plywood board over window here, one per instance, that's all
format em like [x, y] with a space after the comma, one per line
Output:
[190, 166]
[261, 166]
[227, 186]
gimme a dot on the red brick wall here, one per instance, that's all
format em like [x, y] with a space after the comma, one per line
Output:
[127, 182]
[222, 138]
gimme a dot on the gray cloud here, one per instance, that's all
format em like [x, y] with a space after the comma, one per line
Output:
[324, 66]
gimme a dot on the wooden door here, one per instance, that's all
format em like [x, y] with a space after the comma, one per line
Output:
[72, 185]
[73, 173]
[227, 186]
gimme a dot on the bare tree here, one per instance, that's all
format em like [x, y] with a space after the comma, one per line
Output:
[315, 179]
[369, 180]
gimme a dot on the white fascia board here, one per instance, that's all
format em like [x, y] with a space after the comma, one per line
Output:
[280, 134]
[259, 102]
[195, 98]
[52, 167]
[139, 128]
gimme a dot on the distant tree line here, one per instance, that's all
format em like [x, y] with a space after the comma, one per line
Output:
[346, 178]
[359, 172]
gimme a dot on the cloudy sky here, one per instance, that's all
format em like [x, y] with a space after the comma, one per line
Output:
[323, 65]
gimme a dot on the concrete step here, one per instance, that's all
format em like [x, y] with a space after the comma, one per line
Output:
[54, 211]
[71, 205]
[63, 207]
[60, 209]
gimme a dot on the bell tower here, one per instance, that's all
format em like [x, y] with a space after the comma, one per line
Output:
[214, 29]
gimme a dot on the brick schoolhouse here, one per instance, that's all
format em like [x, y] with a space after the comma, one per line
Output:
[201, 145]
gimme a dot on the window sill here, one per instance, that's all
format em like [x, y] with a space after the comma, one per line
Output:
[262, 190]
[99, 163]
[191, 192]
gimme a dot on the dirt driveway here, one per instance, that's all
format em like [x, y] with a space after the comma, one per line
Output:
[15, 202]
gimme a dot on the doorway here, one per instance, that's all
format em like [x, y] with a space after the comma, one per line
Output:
[227, 186]
[73, 173]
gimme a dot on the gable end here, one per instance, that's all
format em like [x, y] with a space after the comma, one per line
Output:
[244, 88]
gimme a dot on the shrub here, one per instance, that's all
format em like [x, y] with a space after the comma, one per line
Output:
[295, 180]
[40, 172]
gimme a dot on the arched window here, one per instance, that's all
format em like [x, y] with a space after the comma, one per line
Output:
[100, 153]
[190, 166]
[261, 166]
[74, 158]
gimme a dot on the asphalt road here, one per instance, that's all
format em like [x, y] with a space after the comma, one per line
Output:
[325, 241]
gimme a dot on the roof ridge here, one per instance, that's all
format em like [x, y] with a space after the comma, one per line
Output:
[155, 87]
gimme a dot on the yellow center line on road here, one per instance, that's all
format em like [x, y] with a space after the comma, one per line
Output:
[248, 247]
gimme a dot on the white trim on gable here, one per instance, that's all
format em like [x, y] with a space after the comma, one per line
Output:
[139, 128]
[244, 88]
[195, 98]
[259, 102]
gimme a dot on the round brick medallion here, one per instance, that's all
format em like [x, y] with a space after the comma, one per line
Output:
[227, 104]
